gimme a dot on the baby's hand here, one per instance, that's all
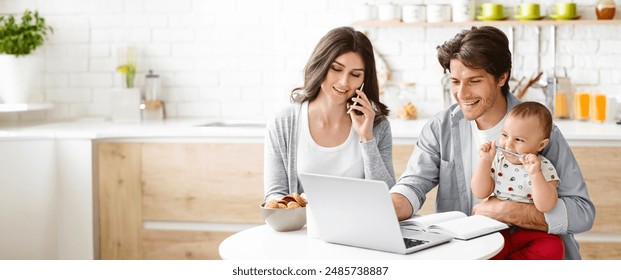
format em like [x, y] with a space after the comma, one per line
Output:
[487, 151]
[532, 164]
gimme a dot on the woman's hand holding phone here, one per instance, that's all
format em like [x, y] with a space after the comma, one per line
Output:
[351, 107]
[362, 115]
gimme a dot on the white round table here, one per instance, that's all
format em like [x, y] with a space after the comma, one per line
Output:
[263, 243]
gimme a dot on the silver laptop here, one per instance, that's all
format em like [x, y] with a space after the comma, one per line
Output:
[360, 213]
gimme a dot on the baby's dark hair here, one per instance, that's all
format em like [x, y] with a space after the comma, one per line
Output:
[537, 110]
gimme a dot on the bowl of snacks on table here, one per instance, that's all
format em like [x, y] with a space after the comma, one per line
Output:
[285, 214]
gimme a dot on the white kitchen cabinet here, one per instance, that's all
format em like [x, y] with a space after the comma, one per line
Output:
[74, 167]
[46, 200]
[27, 199]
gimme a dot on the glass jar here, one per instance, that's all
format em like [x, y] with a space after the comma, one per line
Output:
[152, 86]
[153, 107]
[408, 100]
[605, 9]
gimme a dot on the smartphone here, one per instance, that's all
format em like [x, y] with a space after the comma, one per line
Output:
[355, 103]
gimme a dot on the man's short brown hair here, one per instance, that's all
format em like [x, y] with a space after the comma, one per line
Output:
[484, 47]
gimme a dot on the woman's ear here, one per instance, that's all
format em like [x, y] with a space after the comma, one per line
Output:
[543, 144]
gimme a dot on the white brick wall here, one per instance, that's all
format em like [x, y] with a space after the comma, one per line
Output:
[241, 58]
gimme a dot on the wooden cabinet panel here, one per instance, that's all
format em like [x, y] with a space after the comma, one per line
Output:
[600, 250]
[601, 168]
[220, 183]
[179, 182]
[182, 245]
[120, 211]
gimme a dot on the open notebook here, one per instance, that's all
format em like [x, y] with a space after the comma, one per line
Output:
[455, 224]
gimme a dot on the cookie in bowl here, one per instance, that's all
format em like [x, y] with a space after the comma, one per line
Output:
[286, 214]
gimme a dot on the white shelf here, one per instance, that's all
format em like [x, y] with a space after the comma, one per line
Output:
[544, 22]
[25, 107]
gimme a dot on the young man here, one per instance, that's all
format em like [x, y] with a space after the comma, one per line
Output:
[446, 153]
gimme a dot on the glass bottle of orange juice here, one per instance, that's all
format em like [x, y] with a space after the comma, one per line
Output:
[599, 107]
[560, 105]
[582, 105]
[564, 95]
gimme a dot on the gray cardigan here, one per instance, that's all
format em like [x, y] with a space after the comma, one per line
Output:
[437, 161]
[280, 165]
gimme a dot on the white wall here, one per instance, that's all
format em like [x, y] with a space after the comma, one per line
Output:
[241, 58]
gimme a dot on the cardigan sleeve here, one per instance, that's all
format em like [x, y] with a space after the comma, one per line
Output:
[377, 155]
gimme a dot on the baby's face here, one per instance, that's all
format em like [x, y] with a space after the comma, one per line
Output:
[521, 135]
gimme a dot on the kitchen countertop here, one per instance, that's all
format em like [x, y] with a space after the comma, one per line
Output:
[578, 133]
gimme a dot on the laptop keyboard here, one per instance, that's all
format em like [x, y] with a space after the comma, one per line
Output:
[409, 242]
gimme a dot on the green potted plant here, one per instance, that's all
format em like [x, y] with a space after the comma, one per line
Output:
[125, 101]
[129, 67]
[20, 65]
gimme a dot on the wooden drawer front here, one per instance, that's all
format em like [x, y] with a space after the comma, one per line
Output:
[206, 182]
[182, 245]
[601, 168]
[600, 250]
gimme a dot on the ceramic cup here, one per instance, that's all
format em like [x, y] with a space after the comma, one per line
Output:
[438, 13]
[463, 10]
[413, 13]
[527, 10]
[491, 11]
[365, 12]
[388, 12]
[564, 10]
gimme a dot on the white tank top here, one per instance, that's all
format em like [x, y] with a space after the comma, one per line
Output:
[343, 160]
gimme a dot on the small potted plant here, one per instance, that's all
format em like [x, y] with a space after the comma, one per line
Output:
[125, 101]
[129, 67]
[20, 66]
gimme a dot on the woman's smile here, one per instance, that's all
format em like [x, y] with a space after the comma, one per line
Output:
[340, 90]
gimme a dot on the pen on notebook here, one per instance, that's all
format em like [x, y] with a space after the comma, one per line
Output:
[355, 103]
[508, 152]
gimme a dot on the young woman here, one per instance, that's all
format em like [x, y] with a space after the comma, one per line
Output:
[336, 124]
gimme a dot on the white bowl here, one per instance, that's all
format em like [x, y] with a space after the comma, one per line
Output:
[288, 219]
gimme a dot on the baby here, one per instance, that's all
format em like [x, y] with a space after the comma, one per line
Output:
[520, 174]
